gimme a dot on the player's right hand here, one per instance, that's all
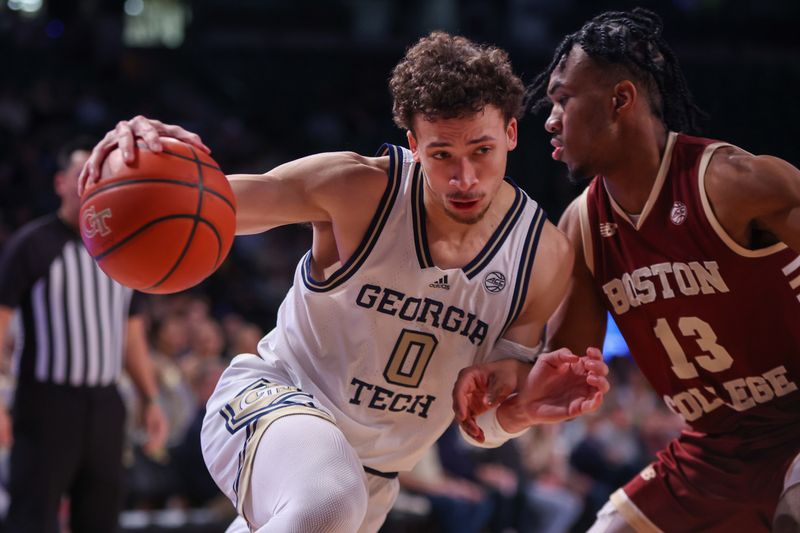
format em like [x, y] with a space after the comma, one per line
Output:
[6, 433]
[482, 386]
[124, 137]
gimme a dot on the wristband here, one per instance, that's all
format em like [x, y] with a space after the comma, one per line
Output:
[493, 432]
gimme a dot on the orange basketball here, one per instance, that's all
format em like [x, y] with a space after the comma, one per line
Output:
[164, 223]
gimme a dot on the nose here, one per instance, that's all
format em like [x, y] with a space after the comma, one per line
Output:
[553, 122]
[464, 176]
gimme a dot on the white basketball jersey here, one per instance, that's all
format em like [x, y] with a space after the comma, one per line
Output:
[380, 342]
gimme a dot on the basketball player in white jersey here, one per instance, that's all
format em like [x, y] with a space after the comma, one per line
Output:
[423, 261]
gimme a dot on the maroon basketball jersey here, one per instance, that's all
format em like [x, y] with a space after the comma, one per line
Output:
[713, 326]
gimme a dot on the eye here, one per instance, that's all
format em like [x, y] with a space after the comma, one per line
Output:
[483, 150]
[562, 100]
[440, 155]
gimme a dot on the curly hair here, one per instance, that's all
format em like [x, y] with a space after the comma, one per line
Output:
[447, 76]
[631, 41]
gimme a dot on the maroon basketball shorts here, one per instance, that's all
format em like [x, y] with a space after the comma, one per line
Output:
[707, 483]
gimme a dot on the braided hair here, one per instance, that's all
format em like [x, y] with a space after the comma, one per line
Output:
[632, 41]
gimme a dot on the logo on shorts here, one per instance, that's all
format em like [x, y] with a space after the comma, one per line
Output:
[678, 213]
[494, 282]
[263, 398]
[94, 222]
[648, 473]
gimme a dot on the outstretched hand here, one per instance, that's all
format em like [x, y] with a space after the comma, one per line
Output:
[124, 137]
[560, 386]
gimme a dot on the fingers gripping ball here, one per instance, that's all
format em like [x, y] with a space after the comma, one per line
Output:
[162, 224]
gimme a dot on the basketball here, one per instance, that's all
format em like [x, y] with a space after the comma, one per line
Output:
[162, 224]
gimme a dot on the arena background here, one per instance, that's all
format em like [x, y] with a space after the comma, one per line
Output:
[265, 81]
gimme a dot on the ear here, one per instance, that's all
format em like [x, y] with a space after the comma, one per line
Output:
[511, 133]
[625, 96]
[412, 145]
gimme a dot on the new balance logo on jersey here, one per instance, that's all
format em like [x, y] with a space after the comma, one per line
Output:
[440, 283]
[608, 229]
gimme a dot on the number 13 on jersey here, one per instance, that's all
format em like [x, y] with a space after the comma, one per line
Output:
[714, 358]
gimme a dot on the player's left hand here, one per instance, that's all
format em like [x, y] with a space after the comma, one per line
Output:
[482, 386]
[124, 136]
[156, 427]
[562, 385]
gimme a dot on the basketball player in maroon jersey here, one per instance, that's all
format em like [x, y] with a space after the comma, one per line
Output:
[693, 245]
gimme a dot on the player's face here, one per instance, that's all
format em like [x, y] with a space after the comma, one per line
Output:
[66, 186]
[464, 160]
[580, 119]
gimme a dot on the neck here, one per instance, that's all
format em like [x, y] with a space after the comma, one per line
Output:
[452, 243]
[631, 177]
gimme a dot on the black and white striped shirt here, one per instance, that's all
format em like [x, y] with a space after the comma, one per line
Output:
[73, 316]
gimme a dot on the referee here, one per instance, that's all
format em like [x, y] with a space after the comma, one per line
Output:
[76, 325]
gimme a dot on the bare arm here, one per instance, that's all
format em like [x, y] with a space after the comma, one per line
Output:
[328, 187]
[137, 360]
[580, 320]
[140, 368]
[755, 194]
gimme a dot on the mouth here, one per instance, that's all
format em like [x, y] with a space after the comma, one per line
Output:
[558, 148]
[463, 204]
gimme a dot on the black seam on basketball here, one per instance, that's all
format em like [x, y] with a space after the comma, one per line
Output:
[134, 181]
[144, 147]
[141, 229]
[219, 239]
[162, 219]
[196, 218]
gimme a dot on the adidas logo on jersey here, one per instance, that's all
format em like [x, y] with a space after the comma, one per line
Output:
[608, 229]
[440, 283]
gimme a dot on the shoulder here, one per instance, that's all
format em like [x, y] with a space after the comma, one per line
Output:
[574, 223]
[570, 221]
[347, 172]
[349, 165]
[754, 183]
[555, 244]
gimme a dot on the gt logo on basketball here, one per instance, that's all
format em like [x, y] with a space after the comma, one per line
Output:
[94, 223]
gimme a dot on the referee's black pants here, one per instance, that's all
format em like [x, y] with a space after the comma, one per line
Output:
[67, 442]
